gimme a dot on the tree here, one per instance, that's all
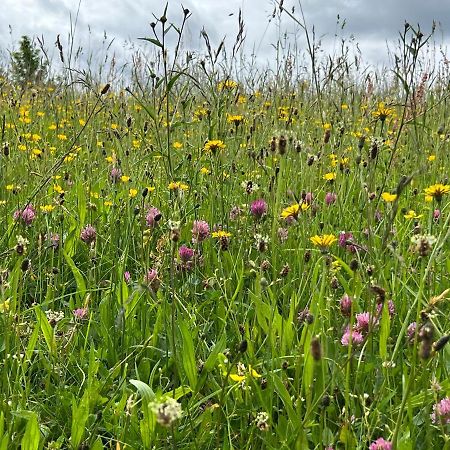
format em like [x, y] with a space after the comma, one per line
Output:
[27, 65]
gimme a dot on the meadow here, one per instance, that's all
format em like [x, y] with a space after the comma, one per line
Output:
[204, 260]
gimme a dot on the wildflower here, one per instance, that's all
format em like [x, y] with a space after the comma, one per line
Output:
[54, 317]
[411, 214]
[436, 214]
[177, 185]
[153, 217]
[291, 212]
[283, 234]
[262, 421]
[346, 305]
[205, 171]
[186, 253]
[47, 208]
[27, 215]
[308, 198]
[261, 242]
[441, 412]
[258, 208]
[127, 277]
[4, 306]
[80, 313]
[200, 231]
[364, 321]
[220, 234]
[151, 280]
[324, 241]
[388, 197]
[177, 145]
[227, 85]
[235, 212]
[236, 120]
[53, 240]
[214, 145]
[330, 176]
[346, 241]
[125, 178]
[88, 234]
[391, 308]
[243, 373]
[422, 244]
[305, 316]
[381, 114]
[436, 191]
[115, 175]
[167, 411]
[330, 198]
[380, 444]
[355, 336]
[411, 332]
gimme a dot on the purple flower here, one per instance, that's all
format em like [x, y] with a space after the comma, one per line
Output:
[127, 277]
[309, 197]
[441, 412]
[330, 198]
[53, 240]
[357, 337]
[391, 308]
[258, 208]
[115, 175]
[346, 305]
[151, 280]
[200, 231]
[363, 321]
[436, 214]
[346, 241]
[153, 217]
[186, 253]
[88, 234]
[380, 444]
[80, 313]
[27, 215]
[411, 331]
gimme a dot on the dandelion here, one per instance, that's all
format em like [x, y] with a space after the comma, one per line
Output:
[324, 241]
[291, 212]
[436, 191]
[236, 120]
[411, 214]
[200, 231]
[388, 197]
[330, 176]
[380, 444]
[167, 411]
[213, 146]
[88, 234]
[382, 113]
[220, 234]
[177, 185]
[258, 208]
[132, 193]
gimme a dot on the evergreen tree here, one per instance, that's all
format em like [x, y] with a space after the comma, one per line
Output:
[26, 63]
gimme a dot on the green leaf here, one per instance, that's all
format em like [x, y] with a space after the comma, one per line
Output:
[80, 415]
[385, 329]
[47, 330]
[153, 41]
[188, 354]
[32, 436]
[81, 285]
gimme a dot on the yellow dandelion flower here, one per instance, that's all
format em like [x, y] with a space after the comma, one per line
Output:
[62, 137]
[52, 127]
[382, 113]
[4, 306]
[294, 210]
[9, 187]
[58, 189]
[220, 234]
[132, 193]
[205, 171]
[214, 145]
[235, 119]
[82, 122]
[330, 176]
[108, 203]
[47, 209]
[177, 145]
[431, 158]
[125, 178]
[411, 214]
[388, 197]
[436, 191]
[177, 185]
[324, 241]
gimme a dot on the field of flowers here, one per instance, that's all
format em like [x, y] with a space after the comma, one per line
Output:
[206, 262]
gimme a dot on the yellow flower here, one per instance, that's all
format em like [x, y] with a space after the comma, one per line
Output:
[47, 208]
[382, 113]
[235, 120]
[132, 193]
[177, 145]
[52, 127]
[214, 145]
[411, 214]
[244, 373]
[431, 158]
[220, 234]
[9, 187]
[82, 122]
[388, 197]
[437, 191]
[324, 241]
[330, 176]
[327, 126]
[227, 84]
[4, 307]
[114, 126]
[57, 188]
[175, 185]
[62, 137]
[205, 171]
[294, 210]
[125, 178]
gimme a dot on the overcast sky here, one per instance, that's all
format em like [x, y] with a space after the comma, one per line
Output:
[371, 22]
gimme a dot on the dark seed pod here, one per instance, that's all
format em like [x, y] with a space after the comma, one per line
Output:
[25, 265]
[440, 343]
[316, 349]
[243, 346]
[105, 89]
[354, 264]
[326, 401]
